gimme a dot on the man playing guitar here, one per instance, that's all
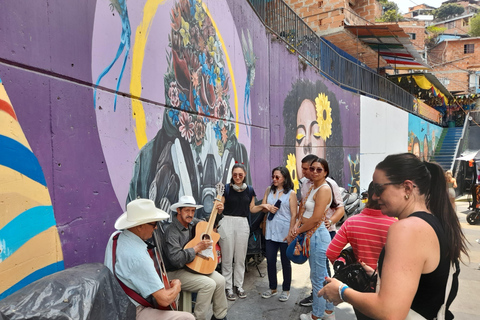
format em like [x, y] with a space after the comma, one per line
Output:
[210, 288]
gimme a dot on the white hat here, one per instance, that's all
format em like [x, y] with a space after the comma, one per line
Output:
[185, 201]
[140, 211]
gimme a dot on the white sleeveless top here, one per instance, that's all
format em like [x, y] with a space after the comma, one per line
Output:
[310, 203]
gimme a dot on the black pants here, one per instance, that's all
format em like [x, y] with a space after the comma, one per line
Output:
[271, 248]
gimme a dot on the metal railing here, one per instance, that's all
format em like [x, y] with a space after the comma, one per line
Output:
[288, 26]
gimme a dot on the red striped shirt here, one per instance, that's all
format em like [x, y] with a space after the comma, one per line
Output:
[366, 233]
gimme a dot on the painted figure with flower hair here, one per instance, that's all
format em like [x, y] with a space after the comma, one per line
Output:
[312, 126]
[197, 144]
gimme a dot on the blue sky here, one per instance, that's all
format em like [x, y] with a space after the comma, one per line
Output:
[403, 5]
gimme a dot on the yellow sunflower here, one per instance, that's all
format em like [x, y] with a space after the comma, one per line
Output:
[292, 168]
[324, 116]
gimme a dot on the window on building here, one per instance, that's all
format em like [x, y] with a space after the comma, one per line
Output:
[450, 25]
[469, 48]
[466, 22]
[444, 81]
[413, 36]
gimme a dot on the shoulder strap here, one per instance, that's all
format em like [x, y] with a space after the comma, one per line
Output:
[250, 191]
[448, 288]
[131, 293]
[227, 190]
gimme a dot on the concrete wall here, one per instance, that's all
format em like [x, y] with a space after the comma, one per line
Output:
[386, 130]
[150, 99]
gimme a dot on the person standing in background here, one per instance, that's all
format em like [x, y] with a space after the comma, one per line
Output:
[234, 230]
[280, 223]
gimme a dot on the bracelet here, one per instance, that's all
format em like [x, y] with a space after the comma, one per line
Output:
[341, 290]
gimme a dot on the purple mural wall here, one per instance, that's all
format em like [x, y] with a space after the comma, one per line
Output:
[158, 99]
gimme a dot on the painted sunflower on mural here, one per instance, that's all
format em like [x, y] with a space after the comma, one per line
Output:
[196, 81]
[324, 116]
[291, 167]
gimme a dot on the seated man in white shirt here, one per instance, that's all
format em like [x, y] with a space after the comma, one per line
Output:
[134, 267]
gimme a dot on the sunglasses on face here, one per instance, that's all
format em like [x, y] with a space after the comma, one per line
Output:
[240, 175]
[379, 188]
[313, 169]
[274, 177]
[153, 224]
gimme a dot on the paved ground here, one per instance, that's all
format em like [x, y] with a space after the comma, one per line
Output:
[465, 307]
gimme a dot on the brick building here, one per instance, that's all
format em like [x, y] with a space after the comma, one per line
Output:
[456, 63]
[329, 18]
[459, 25]
[419, 10]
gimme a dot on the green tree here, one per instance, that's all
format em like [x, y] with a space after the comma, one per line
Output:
[433, 36]
[475, 26]
[448, 10]
[391, 16]
[390, 12]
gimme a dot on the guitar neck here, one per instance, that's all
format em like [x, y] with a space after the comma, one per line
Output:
[213, 216]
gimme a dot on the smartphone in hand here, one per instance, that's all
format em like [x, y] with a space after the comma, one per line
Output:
[277, 204]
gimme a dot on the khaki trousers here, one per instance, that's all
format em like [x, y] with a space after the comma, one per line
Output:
[234, 233]
[209, 288]
[144, 313]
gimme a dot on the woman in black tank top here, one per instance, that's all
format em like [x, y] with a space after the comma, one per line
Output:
[415, 262]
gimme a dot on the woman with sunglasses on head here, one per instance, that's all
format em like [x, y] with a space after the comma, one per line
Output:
[282, 201]
[318, 200]
[415, 265]
[234, 229]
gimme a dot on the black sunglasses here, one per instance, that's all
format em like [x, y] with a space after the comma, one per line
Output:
[153, 224]
[313, 169]
[379, 188]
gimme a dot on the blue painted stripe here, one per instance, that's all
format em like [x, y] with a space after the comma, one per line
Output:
[34, 276]
[16, 156]
[24, 227]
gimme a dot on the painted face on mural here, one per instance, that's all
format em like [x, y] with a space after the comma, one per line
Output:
[307, 137]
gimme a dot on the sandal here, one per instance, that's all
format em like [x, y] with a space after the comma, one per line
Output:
[284, 296]
[241, 293]
[269, 293]
[230, 295]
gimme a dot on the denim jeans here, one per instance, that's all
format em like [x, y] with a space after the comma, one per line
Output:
[271, 248]
[318, 268]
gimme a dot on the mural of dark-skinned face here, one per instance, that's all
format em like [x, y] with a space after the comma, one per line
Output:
[307, 136]
[312, 124]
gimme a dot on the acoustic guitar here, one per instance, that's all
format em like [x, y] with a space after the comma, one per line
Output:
[205, 261]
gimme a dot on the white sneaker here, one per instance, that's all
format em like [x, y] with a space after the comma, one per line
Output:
[328, 316]
[306, 316]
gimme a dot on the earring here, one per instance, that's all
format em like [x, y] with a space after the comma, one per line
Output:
[406, 196]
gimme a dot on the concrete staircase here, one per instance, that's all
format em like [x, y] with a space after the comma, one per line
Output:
[445, 152]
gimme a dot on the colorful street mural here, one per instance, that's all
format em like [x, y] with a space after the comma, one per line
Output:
[312, 123]
[152, 99]
[423, 137]
[31, 249]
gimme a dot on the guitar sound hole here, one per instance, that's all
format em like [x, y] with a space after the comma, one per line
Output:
[206, 237]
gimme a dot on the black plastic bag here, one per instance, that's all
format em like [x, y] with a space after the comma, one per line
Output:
[85, 292]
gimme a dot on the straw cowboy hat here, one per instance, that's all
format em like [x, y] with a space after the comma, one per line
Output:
[140, 211]
[185, 201]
